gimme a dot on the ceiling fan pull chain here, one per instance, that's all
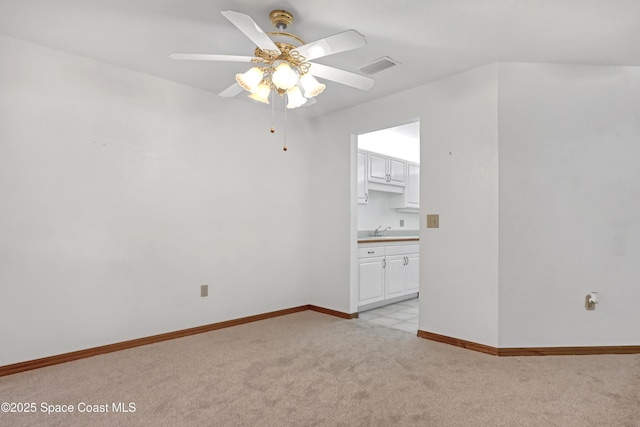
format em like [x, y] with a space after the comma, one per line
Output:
[285, 127]
[273, 130]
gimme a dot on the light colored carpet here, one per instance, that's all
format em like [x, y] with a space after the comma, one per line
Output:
[309, 369]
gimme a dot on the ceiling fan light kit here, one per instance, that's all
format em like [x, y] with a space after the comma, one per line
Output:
[283, 68]
[262, 94]
[311, 86]
[250, 80]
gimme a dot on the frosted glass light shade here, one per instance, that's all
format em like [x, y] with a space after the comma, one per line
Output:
[295, 98]
[284, 77]
[262, 93]
[250, 80]
[311, 86]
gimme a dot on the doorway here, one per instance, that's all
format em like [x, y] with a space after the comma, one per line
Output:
[388, 218]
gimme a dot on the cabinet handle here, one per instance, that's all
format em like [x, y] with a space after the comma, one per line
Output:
[371, 252]
[366, 197]
[407, 260]
[384, 263]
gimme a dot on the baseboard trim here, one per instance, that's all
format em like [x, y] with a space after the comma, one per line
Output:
[531, 351]
[109, 348]
[458, 342]
[330, 312]
[569, 351]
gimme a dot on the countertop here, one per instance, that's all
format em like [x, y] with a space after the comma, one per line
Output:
[379, 239]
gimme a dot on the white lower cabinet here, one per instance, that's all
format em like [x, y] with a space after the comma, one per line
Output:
[371, 279]
[395, 277]
[411, 273]
[387, 272]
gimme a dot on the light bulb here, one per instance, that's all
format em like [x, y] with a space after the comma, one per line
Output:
[311, 86]
[251, 79]
[284, 77]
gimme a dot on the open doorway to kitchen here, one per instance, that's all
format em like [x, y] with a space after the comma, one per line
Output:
[388, 218]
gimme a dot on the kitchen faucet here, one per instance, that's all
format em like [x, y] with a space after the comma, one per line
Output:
[378, 233]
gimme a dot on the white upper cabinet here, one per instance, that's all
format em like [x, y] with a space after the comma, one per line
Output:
[409, 200]
[378, 168]
[386, 173]
[412, 190]
[386, 170]
[397, 169]
[363, 182]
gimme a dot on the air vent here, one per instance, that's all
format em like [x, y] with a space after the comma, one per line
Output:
[379, 65]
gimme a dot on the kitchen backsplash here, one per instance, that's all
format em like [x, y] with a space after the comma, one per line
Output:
[378, 212]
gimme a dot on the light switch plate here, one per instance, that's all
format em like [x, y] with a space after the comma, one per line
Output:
[433, 221]
[204, 290]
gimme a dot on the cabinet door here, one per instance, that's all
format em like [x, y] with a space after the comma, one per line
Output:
[396, 171]
[363, 194]
[371, 279]
[412, 189]
[395, 276]
[377, 168]
[412, 273]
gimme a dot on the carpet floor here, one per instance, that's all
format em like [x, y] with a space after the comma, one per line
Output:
[311, 369]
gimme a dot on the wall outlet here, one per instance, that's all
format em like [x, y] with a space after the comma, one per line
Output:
[204, 290]
[402, 223]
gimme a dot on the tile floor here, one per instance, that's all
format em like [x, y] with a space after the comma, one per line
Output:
[402, 315]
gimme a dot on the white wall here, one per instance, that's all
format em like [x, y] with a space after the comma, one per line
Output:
[333, 209]
[561, 197]
[569, 204]
[459, 260]
[123, 193]
[458, 266]
[379, 211]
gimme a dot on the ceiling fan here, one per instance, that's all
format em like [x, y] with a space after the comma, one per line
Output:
[282, 67]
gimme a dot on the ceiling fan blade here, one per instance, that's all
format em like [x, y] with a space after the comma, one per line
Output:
[341, 76]
[250, 29]
[231, 91]
[210, 57]
[341, 42]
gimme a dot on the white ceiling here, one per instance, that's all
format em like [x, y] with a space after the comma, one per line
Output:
[430, 38]
[401, 141]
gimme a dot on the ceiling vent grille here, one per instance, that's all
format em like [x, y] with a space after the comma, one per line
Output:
[379, 65]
